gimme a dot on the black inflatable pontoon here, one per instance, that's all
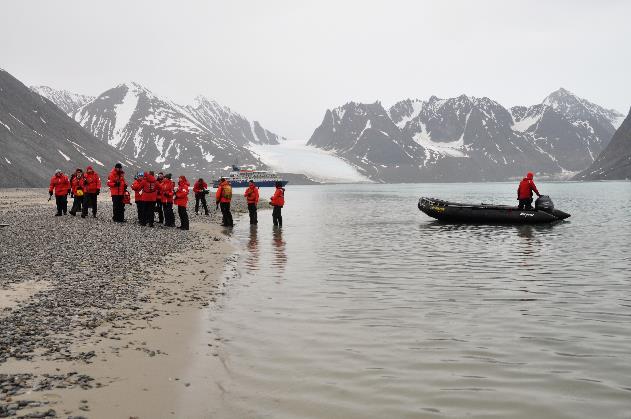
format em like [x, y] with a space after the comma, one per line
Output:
[453, 212]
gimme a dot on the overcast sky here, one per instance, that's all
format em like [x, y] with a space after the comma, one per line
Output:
[285, 62]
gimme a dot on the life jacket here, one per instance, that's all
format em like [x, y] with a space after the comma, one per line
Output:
[226, 192]
[278, 199]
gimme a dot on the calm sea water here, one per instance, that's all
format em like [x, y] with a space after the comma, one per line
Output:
[363, 307]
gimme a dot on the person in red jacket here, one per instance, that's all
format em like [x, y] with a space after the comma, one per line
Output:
[117, 185]
[149, 187]
[252, 197]
[223, 197]
[60, 184]
[200, 189]
[91, 189]
[137, 188]
[76, 191]
[158, 207]
[181, 200]
[278, 201]
[525, 190]
[167, 200]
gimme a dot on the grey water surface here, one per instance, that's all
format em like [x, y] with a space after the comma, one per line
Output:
[363, 307]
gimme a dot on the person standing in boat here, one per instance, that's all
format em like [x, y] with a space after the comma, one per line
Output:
[524, 191]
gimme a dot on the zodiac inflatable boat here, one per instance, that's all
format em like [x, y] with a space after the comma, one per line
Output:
[453, 212]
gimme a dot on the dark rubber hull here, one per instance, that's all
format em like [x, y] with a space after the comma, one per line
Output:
[452, 212]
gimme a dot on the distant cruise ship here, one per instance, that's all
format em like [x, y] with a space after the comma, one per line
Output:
[239, 178]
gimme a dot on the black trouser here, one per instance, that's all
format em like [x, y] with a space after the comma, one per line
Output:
[169, 217]
[118, 208]
[148, 208]
[200, 196]
[158, 209]
[181, 211]
[277, 216]
[226, 218]
[525, 204]
[77, 203]
[89, 200]
[141, 212]
[253, 214]
[62, 204]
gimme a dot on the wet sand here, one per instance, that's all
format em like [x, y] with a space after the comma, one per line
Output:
[102, 320]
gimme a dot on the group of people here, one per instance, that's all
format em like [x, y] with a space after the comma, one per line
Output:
[153, 194]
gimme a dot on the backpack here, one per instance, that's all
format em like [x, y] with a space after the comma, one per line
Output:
[226, 192]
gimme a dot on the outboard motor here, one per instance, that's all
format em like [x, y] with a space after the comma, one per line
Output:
[544, 203]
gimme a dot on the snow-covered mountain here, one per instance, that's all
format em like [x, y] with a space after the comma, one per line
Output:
[37, 137]
[573, 130]
[67, 101]
[466, 138]
[615, 161]
[201, 138]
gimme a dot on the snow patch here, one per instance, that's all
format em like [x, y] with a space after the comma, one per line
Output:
[65, 157]
[5, 125]
[39, 159]
[452, 148]
[7, 160]
[417, 106]
[527, 122]
[123, 112]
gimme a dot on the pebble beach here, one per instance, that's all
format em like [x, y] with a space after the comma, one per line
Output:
[95, 315]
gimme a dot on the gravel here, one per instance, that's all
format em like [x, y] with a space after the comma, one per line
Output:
[98, 272]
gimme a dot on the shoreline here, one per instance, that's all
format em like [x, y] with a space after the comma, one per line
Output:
[135, 361]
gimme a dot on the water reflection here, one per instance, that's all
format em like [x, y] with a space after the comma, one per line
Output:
[280, 255]
[252, 260]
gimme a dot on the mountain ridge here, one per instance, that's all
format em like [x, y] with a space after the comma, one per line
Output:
[469, 138]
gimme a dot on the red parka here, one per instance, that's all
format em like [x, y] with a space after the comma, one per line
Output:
[159, 189]
[278, 199]
[60, 184]
[526, 187]
[199, 187]
[116, 182]
[224, 192]
[92, 182]
[181, 195]
[252, 194]
[167, 191]
[137, 188]
[78, 183]
[149, 187]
